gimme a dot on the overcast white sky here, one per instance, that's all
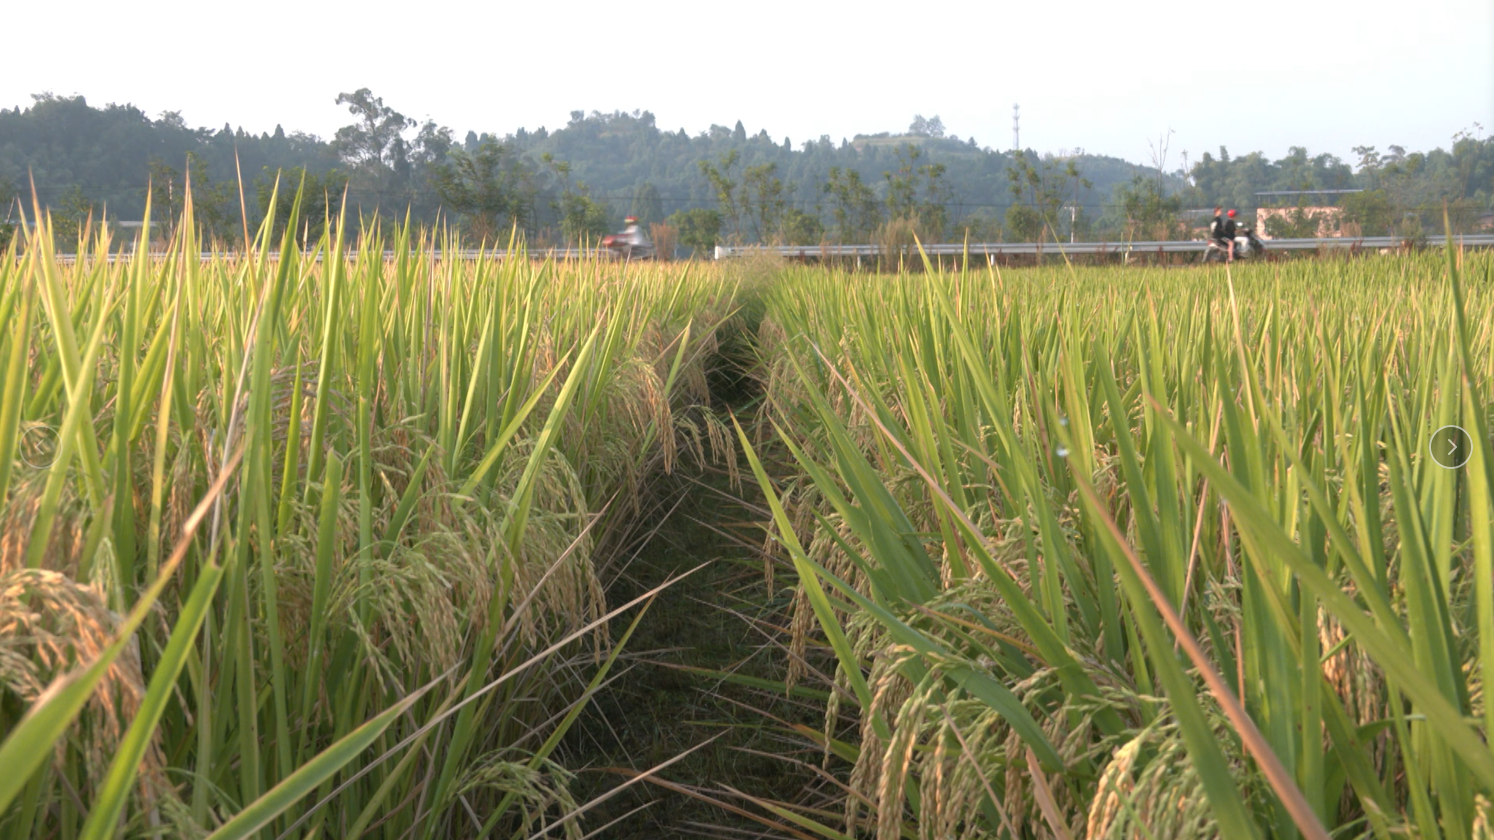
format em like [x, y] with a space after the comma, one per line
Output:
[1109, 77]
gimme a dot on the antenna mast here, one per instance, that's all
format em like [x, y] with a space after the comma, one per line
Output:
[1016, 129]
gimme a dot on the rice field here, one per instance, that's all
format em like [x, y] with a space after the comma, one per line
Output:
[315, 545]
[1151, 553]
[307, 546]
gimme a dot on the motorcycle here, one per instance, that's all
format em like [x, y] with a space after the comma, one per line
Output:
[625, 250]
[1247, 246]
[631, 244]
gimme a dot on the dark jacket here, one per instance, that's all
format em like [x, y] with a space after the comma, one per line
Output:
[1229, 229]
[1216, 227]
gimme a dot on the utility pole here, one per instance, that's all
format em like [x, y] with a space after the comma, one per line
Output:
[1016, 130]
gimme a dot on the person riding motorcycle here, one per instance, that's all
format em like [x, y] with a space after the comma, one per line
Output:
[1216, 231]
[632, 233]
[1227, 233]
[632, 243]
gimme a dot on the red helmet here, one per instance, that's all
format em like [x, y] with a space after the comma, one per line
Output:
[1231, 214]
[630, 220]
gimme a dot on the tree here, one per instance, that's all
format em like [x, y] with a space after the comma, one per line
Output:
[377, 139]
[581, 216]
[698, 228]
[1043, 190]
[926, 128]
[432, 144]
[800, 228]
[7, 223]
[1148, 214]
[430, 149]
[981, 226]
[320, 196]
[374, 149]
[1233, 182]
[647, 207]
[1298, 223]
[664, 236]
[1370, 211]
[1369, 158]
[763, 199]
[74, 214]
[65, 140]
[853, 205]
[1024, 223]
[902, 189]
[487, 188]
[719, 175]
[212, 204]
[167, 192]
[904, 201]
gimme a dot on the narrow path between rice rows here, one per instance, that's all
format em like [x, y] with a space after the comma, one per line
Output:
[666, 701]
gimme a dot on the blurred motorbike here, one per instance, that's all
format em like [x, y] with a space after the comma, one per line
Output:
[631, 243]
[1247, 246]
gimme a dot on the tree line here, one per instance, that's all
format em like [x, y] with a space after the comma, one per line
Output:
[719, 185]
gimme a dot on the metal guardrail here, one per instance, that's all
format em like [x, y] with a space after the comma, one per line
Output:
[469, 254]
[955, 249]
[993, 249]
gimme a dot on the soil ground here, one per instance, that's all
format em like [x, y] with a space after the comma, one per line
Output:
[671, 704]
[666, 703]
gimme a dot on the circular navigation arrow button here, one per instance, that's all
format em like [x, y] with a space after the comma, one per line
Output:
[1450, 447]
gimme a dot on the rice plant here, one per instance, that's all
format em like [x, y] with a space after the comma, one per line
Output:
[1104, 553]
[303, 543]
[309, 543]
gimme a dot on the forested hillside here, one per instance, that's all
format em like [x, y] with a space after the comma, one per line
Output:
[721, 184]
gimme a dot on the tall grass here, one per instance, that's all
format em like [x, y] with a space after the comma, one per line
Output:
[1141, 553]
[304, 544]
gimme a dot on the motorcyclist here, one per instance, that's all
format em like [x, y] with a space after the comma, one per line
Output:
[632, 242]
[1216, 226]
[1228, 230]
[633, 233]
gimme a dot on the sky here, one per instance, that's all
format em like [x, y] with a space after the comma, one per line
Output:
[1133, 80]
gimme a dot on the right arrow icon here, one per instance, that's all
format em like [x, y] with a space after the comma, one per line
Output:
[1447, 449]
